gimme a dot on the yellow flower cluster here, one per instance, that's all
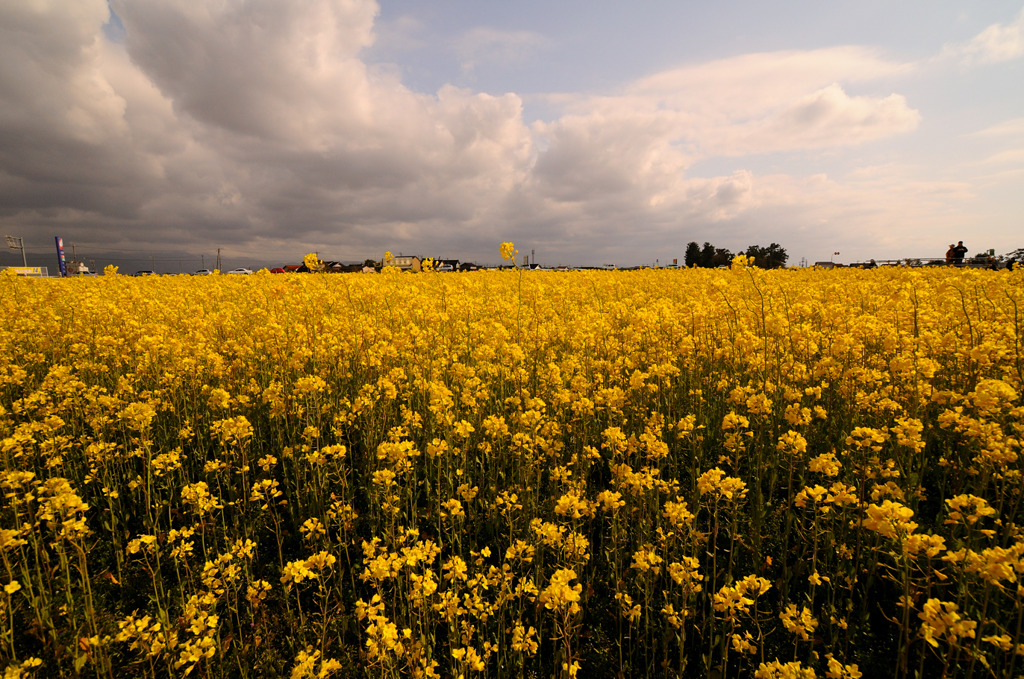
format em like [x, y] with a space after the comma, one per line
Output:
[800, 622]
[735, 599]
[560, 594]
[715, 483]
[941, 621]
[789, 670]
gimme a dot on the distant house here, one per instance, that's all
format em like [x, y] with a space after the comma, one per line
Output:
[292, 268]
[341, 267]
[351, 268]
[404, 262]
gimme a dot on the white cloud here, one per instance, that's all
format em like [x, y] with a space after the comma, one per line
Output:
[997, 43]
[749, 84]
[827, 117]
[1004, 144]
[1005, 129]
[608, 152]
[1008, 157]
[639, 145]
[721, 198]
[786, 101]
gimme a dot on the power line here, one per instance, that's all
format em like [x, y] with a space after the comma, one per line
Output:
[140, 259]
[37, 250]
[190, 258]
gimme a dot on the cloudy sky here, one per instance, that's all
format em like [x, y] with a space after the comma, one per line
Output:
[591, 132]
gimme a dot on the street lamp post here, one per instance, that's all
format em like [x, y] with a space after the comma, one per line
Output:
[833, 260]
[18, 243]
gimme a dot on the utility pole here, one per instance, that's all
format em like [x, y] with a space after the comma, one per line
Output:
[218, 259]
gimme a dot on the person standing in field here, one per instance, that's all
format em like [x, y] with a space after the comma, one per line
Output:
[958, 253]
[950, 254]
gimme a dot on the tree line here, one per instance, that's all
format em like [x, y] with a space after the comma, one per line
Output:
[708, 256]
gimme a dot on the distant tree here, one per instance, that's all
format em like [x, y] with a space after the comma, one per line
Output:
[692, 257]
[777, 256]
[722, 257]
[707, 255]
[772, 257]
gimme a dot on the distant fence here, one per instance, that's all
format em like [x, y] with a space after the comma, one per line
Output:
[37, 271]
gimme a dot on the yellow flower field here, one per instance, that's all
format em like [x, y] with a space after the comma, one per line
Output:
[661, 473]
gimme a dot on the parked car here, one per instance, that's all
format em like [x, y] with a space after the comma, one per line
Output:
[144, 272]
[277, 269]
[241, 270]
[203, 272]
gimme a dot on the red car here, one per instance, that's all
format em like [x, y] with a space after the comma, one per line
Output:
[277, 269]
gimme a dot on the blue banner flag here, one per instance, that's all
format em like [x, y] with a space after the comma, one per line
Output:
[60, 256]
